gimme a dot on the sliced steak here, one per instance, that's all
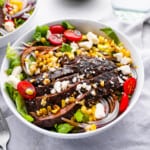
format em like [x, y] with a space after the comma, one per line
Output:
[51, 120]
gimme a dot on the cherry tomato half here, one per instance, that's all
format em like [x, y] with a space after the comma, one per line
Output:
[57, 29]
[129, 85]
[73, 35]
[26, 89]
[56, 39]
[124, 102]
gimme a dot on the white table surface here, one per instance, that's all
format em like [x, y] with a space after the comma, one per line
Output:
[50, 10]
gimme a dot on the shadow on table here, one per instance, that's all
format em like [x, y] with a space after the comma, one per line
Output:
[76, 2]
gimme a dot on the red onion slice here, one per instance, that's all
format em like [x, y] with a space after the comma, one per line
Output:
[110, 117]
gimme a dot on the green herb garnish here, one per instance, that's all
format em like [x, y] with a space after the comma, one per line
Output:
[66, 48]
[63, 128]
[111, 34]
[67, 25]
[80, 116]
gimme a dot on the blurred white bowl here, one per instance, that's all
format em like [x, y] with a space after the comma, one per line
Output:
[84, 26]
[12, 36]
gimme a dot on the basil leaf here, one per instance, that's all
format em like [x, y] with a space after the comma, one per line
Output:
[111, 34]
[66, 48]
[67, 25]
[63, 128]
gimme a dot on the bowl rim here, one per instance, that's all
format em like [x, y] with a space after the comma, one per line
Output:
[84, 134]
[23, 25]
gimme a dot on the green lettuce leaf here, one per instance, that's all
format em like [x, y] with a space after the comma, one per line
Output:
[2, 3]
[19, 101]
[41, 31]
[111, 34]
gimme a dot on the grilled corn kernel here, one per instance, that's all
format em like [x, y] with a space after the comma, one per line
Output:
[36, 52]
[43, 40]
[125, 52]
[102, 83]
[71, 99]
[49, 108]
[59, 54]
[63, 103]
[78, 51]
[89, 111]
[55, 109]
[84, 109]
[29, 91]
[91, 127]
[38, 113]
[43, 101]
[101, 39]
[43, 111]
[84, 37]
[33, 68]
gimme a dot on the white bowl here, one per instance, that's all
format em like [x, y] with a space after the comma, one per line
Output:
[84, 26]
[12, 36]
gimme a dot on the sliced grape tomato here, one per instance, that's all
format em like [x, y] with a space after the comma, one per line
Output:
[129, 85]
[56, 39]
[26, 89]
[124, 102]
[57, 29]
[73, 35]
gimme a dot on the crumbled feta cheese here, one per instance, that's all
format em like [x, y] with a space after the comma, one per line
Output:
[79, 86]
[84, 85]
[81, 76]
[13, 80]
[74, 79]
[53, 91]
[125, 69]
[125, 60]
[94, 85]
[92, 37]
[93, 92]
[64, 84]
[86, 44]
[57, 86]
[74, 46]
[48, 34]
[118, 56]
[9, 26]
[100, 111]
[67, 100]
[88, 88]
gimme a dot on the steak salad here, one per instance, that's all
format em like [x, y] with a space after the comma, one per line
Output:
[67, 81]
